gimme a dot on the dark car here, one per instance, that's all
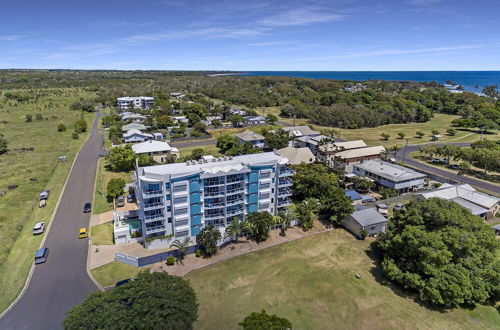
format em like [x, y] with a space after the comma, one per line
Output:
[120, 201]
[122, 282]
[131, 198]
[41, 255]
[454, 167]
[87, 207]
[399, 206]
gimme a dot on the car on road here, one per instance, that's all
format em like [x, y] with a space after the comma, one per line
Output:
[41, 255]
[83, 233]
[87, 207]
[39, 228]
[122, 282]
[120, 201]
[130, 198]
[454, 167]
[44, 194]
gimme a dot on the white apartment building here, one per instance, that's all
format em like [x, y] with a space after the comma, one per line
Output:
[181, 198]
[128, 102]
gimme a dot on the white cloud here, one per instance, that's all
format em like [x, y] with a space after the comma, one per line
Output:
[269, 43]
[300, 16]
[10, 37]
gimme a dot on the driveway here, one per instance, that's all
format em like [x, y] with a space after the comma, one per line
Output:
[444, 173]
[62, 282]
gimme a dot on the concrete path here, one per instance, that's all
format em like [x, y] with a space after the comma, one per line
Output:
[62, 282]
[104, 255]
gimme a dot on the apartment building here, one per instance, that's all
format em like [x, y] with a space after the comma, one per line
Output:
[181, 198]
[129, 102]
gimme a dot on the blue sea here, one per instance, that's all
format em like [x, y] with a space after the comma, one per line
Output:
[473, 81]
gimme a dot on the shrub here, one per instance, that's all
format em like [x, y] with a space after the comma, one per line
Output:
[80, 125]
[75, 136]
[28, 118]
[38, 116]
[451, 132]
[196, 134]
[420, 134]
[61, 128]
[3, 145]
[170, 261]
[385, 136]
[363, 233]
[198, 253]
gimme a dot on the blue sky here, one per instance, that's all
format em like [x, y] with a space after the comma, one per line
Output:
[251, 35]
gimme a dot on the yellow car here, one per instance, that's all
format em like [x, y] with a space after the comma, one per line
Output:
[83, 233]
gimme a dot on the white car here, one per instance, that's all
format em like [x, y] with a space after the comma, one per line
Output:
[39, 228]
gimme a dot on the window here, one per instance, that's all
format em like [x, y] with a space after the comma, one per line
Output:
[181, 211]
[180, 188]
[180, 200]
[169, 208]
[169, 220]
[372, 228]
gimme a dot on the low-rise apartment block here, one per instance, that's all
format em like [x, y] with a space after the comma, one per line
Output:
[179, 199]
[129, 102]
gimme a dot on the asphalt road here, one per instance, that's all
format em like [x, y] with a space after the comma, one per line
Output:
[62, 282]
[444, 173]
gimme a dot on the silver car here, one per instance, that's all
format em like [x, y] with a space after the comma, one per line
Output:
[39, 228]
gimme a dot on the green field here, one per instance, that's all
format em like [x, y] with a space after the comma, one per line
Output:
[102, 234]
[32, 172]
[113, 272]
[312, 283]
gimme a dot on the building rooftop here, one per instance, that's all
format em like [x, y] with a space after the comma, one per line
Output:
[353, 195]
[150, 146]
[368, 217]
[390, 171]
[249, 136]
[300, 131]
[136, 131]
[360, 152]
[314, 140]
[137, 126]
[297, 155]
[341, 146]
[131, 98]
[213, 165]
[463, 191]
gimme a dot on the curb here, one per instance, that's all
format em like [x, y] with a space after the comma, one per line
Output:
[30, 274]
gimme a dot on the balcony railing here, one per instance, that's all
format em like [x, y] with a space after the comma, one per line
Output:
[214, 194]
[235, 180]
[234, 202]
[213, 216]
[284, 192]
[152, 193]
[286, 202]
[150, 218]
[152, 206]
[234, 212]
[153, 230]
[285, 183]
[214, 205]
[287, 172]
[235, 191]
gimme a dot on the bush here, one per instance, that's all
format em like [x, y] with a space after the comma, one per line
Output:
[420, 134]
[75, 136]
[3, 145]
[451, 132]
[80, 126]
[61, 128]
[39, 116]
[196, 134]
[363, 233]
[28, 118]
[170, 261]
[198, 253]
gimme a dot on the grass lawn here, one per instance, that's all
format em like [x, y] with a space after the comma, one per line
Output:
[209, 149]
[113, 272]
[32, 171]
[312, 283]
[102, 234]
[216, 132]
[101, 204]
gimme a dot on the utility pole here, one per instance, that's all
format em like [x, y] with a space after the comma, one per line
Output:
[404, 152]
[340, 127]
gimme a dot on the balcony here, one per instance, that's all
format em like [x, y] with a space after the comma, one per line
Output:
[214, 194]
[156, 229]
[151, 193]
[234, 212]
[235, 191]
[152, 206]
[155, 217]
[284, 202]
[214, 216]
[286, 172]
[234, 202]
[285, 183]
[214, 205]
[285, 192]
[235, 180]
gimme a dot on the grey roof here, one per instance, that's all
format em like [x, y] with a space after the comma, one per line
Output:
[390, 171]
[297, 155]
[300, 130]
[130, 126]
[367, 217]
[496, 227]
[464, 191]
[249, 136]
[474, 208]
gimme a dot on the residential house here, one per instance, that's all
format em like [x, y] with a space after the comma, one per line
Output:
[389, 175]
[177, 95]
[160, 151]
[297, 155]
[208, 120]
[179, 119]
[237, 112]
[255, 139]
[180, 199]
[134, 135]
[308, 141]
[368, 219]
[255, 120]
[354, 196]
[136, 126]
[134, 117]
[481, 204]
[128, 102]
[345, 154]
[298, 131]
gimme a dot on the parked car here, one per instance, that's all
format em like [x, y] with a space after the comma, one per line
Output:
[120, 201]
[368, 199]
[39, 228]
[83, 233]
[42, 203]
[41, 255]
[122, 282]
[436, 161]
[130, 198]
[398, 206]
[87, 207]
[383, 209]
[44, 194]
[454, 167]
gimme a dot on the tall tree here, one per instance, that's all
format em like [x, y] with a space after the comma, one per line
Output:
[261, 223]
[121, 158]
[277, 139]
[153, 301]
[306, 210]
[235, 229]
[208, 238]
[115, 188]
[181, 246]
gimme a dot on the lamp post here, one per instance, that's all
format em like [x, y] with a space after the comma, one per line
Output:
[404, 152]
[340, 127]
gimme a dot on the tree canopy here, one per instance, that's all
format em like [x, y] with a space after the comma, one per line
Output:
[208, 238]
[153, 301]
[438, 249]
[264, 321]
[121, 158]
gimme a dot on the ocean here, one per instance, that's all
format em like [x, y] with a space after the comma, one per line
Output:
[473, 81]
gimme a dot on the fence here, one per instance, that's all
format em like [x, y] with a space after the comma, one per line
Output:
[151, 259]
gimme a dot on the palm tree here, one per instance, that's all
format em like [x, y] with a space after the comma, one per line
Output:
[463, 169]
[306, 211]
[182, 246]
[394, 149]
[284, 220]
[235, 229]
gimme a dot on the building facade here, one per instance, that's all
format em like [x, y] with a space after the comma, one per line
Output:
[178, 200]
[129, 102]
